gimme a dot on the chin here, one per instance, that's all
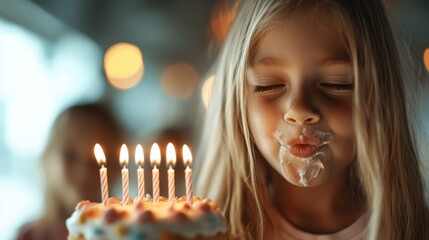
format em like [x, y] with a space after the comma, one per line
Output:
[305, 184]
[307, 175]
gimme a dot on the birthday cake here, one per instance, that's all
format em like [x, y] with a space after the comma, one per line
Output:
[144, 220]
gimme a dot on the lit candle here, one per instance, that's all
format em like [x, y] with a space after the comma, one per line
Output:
[140, 171]
[187, 159]
[155, 157]
[123, 162]
[171, 161]
[101, 159]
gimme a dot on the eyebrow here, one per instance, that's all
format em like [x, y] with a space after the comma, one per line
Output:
[273, 61]
[335, 61]
[269, 61]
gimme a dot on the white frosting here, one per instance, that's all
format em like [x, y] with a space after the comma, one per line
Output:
[305, 168]
[91, 221]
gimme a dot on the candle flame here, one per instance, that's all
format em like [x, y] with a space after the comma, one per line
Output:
[99, 154]
[123, 156]
[171, 154]
[155, 154]
[187, 155]
[139, 155]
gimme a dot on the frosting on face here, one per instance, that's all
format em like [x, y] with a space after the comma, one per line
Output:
[300, 155]
[140, 219]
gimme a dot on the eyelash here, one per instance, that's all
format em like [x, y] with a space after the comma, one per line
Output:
[330, 86]
[269, 88]
[338, 87]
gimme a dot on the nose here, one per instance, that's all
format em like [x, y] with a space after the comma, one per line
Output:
[300, 112]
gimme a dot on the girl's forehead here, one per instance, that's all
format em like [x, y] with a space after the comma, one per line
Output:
[321, 18]
[305, 29]
[309, 11]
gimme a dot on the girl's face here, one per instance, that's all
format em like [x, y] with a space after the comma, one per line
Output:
[71, 168]
[300, 91]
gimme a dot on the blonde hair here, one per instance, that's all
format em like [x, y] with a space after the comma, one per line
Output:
[387, 167]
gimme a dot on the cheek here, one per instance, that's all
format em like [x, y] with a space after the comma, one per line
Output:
[341, 123]
[263, 121]
[54, 169]
[57, 177]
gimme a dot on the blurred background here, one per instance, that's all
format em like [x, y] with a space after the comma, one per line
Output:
[149, 60]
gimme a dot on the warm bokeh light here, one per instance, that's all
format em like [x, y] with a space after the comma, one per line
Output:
[187, 156]
[99, 154]
[179, 80]
[426, 58]
[155, 154]
[123, 156]
[223, 15]
[207, 89]
[123, 65]
[171, 154]
[139, 155]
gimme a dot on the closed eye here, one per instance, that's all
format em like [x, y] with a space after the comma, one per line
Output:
[338, 87]
[267, 89]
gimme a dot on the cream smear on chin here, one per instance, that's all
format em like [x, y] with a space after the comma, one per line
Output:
[306, 168]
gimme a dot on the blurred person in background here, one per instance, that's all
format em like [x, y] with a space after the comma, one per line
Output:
[70, 169]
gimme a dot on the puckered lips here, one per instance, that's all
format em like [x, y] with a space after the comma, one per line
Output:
[304, 146]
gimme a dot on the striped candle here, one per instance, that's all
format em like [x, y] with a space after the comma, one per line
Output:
[155, 156]
[101, 159]
[125, 184]
[140, 182]
[171, 186]
[171, 160]
[140, 171]
[155, 185]
[188, 182]
[187, 159]
[104, 185]
[123, 161]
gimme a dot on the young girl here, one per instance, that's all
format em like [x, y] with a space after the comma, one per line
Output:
[307, 133]
[70, 168]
